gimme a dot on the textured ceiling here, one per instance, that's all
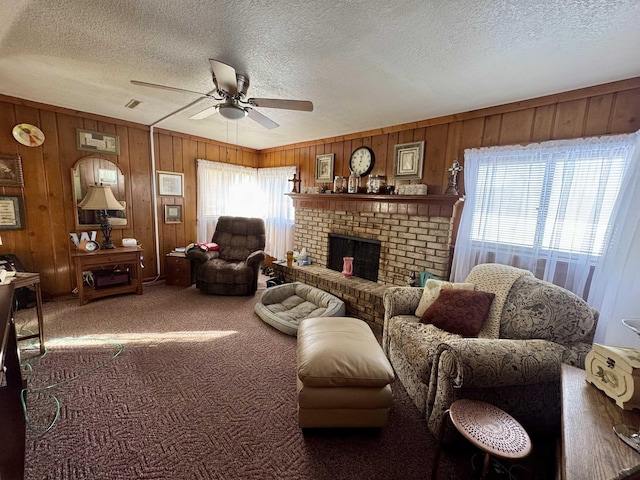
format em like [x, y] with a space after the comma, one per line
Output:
[364, 64]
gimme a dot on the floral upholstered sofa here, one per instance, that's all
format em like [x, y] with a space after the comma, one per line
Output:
[532, 327]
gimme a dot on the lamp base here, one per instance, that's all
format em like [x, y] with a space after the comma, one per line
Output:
[106, 227]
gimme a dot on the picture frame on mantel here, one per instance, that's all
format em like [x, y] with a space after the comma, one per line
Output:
[408, 160]
[324, 167]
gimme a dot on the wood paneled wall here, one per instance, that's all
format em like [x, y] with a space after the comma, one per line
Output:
[604, 109]
[177, 152]
[44, 245]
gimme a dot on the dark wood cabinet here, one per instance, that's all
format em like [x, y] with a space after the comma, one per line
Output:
[177, 271]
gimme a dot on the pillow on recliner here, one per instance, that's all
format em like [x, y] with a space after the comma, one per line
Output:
[459, 311]
[432, 289]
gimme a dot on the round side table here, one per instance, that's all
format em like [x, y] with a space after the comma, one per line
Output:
[489, 428]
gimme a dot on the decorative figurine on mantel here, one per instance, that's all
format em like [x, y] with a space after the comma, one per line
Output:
[452, 188]
[296, 182]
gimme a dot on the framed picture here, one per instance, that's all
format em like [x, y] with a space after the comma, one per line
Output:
[170, 184]
[408, 158]
[98, 142]
[11, 213]
[173, 214]
[11, 171]
[324, 167]
[108, 176]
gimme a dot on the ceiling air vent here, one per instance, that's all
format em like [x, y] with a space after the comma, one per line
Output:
[132, 103]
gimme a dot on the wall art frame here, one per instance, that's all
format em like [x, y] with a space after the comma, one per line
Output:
[11, 212]
[11, 171]
[408, 160]
[324, 167]
[170, 184]
[173, 214]
[98, 142]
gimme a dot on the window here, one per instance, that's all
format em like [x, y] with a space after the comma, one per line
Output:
[557, 205]
[544, 207]
[225, 189]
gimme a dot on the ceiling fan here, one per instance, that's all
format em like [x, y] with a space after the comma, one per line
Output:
[231, 90]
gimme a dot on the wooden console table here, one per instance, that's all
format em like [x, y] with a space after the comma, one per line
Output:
[590, 448]
[125, 256]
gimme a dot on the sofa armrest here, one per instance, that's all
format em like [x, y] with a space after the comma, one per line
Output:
[489, 363]
[520, 376]
[576, 354]
[401, 301]
[255, 258]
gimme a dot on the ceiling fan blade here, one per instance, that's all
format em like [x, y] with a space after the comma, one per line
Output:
[302, 105]
[225, 76]
[207, 112]
[266, 122]
[171, 89]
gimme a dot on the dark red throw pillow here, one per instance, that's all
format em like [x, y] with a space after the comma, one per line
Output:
[459, 311]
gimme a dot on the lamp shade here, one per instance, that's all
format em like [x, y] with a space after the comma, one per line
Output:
[100, 197]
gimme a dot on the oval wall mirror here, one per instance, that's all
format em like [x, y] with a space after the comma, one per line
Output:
[98, 170]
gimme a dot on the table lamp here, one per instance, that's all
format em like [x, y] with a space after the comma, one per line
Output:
[100, 197]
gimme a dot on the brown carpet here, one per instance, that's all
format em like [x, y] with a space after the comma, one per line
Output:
[203, 389]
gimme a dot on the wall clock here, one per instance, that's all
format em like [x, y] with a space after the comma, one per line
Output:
[362, 161]
[28, 135]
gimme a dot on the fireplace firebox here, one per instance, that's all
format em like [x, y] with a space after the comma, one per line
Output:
[365, 252]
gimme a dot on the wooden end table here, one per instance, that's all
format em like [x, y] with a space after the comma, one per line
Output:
[590, 447]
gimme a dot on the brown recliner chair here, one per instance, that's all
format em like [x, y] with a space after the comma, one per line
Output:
[234, 268]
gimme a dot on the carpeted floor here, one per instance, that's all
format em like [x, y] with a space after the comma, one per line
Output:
[201, 389]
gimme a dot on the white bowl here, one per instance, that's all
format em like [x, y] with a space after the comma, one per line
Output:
[632, 324]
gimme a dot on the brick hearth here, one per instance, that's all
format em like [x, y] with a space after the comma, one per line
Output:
[362, 298]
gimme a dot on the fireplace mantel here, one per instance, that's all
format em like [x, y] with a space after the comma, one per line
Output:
[423, 205]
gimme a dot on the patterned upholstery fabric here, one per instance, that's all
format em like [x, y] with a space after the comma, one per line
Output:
[232, 270]
[459, 311]
[498, 279]
[540, 327]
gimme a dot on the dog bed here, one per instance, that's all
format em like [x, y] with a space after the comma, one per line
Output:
[284, 306]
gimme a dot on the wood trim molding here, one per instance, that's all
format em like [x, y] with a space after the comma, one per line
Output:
[420, 205]
[196, 138]
[553, 99]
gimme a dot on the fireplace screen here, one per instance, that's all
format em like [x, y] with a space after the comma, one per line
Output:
[365, 252]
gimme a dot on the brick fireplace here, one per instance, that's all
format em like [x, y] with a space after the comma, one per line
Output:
[414, 233]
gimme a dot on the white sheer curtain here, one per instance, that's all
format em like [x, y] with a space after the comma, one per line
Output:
[615, 289]
[542, 207]
[277, 209]
[225, 189]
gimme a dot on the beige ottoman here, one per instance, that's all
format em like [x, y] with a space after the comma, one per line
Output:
[343, 375]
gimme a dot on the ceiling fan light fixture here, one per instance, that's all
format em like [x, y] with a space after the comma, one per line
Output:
[231, 112]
